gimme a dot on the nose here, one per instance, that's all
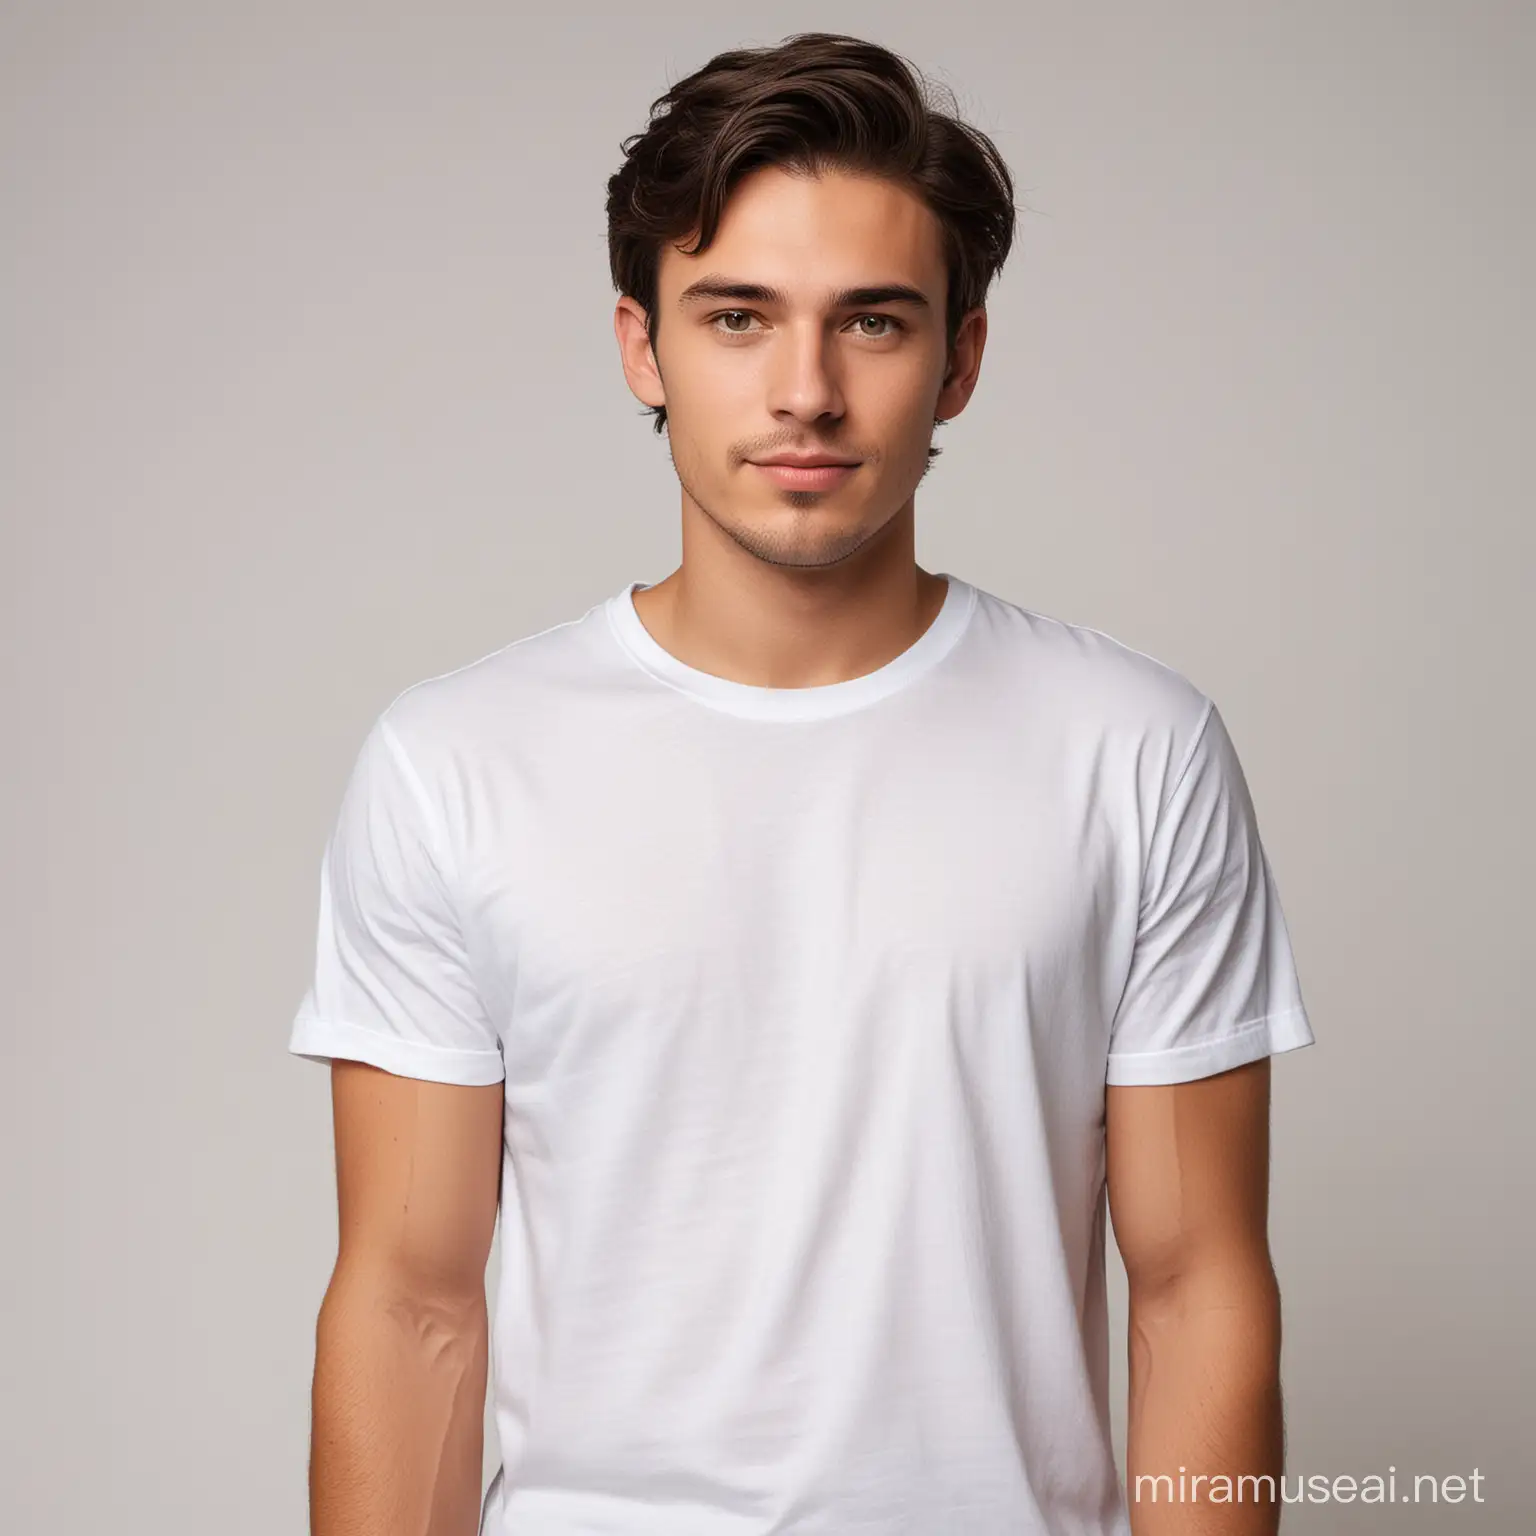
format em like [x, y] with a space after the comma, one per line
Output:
[803, 384]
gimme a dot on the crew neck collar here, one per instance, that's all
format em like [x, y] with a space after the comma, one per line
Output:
[816, 703]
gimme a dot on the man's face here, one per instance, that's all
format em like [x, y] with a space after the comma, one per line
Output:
[813, 325]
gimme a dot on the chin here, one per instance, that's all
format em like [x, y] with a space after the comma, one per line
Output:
[809, 548]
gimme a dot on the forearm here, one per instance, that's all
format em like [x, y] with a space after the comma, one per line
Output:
[398, 1411]
[1205, 1404]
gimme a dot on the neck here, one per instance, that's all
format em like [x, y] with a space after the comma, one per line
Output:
[735, 615]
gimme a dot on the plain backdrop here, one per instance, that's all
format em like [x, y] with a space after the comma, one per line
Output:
[310, 393]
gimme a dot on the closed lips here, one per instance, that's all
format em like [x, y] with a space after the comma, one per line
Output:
[816, 463]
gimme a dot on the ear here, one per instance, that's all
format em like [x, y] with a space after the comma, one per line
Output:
[640, 370]
[964, 365]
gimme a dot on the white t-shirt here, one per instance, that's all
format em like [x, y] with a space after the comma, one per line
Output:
[805, 1001]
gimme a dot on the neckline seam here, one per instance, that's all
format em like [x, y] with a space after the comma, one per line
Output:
[777, 705]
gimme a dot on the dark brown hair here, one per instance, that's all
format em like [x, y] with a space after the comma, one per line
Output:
[818, 101]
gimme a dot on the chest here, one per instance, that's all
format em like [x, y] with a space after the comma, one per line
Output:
[658, 889]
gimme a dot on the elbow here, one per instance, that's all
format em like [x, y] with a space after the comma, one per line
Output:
[441, 1313]
[1238, 1283]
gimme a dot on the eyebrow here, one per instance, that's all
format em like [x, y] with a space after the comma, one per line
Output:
[713, 287]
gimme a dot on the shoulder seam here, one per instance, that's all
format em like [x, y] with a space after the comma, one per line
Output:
[1167, 800]
[1189, 754]
[1102, 634]
[418, 789]
[491, 655]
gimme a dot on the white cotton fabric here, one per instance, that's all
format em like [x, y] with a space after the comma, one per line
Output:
[805, 1001]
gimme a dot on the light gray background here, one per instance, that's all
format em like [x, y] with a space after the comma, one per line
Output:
[310, 393]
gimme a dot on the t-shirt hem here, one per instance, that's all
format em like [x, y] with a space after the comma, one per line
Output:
[1284, 1030]
[326, 1040]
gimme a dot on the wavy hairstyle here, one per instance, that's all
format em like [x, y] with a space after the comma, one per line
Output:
[818, 101]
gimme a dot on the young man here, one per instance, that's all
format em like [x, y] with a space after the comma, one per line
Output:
[796, 947]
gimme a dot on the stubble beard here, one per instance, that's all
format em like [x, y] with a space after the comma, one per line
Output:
[761, 544]
[772, 547]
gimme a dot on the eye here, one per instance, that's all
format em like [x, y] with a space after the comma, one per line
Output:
[889, 323]
[733, 315]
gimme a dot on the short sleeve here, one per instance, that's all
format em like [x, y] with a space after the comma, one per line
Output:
[392, 983]
[1212, 981]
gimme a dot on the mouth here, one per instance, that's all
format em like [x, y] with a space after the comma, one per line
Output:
[817, 473]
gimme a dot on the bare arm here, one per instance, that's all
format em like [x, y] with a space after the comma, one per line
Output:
[1188, 1179]
[401, 1342]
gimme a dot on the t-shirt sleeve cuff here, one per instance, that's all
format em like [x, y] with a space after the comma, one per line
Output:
[1286, 1030]
[326, 1040]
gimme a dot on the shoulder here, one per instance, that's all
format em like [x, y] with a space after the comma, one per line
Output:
[511, 691]
[1087, 677]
